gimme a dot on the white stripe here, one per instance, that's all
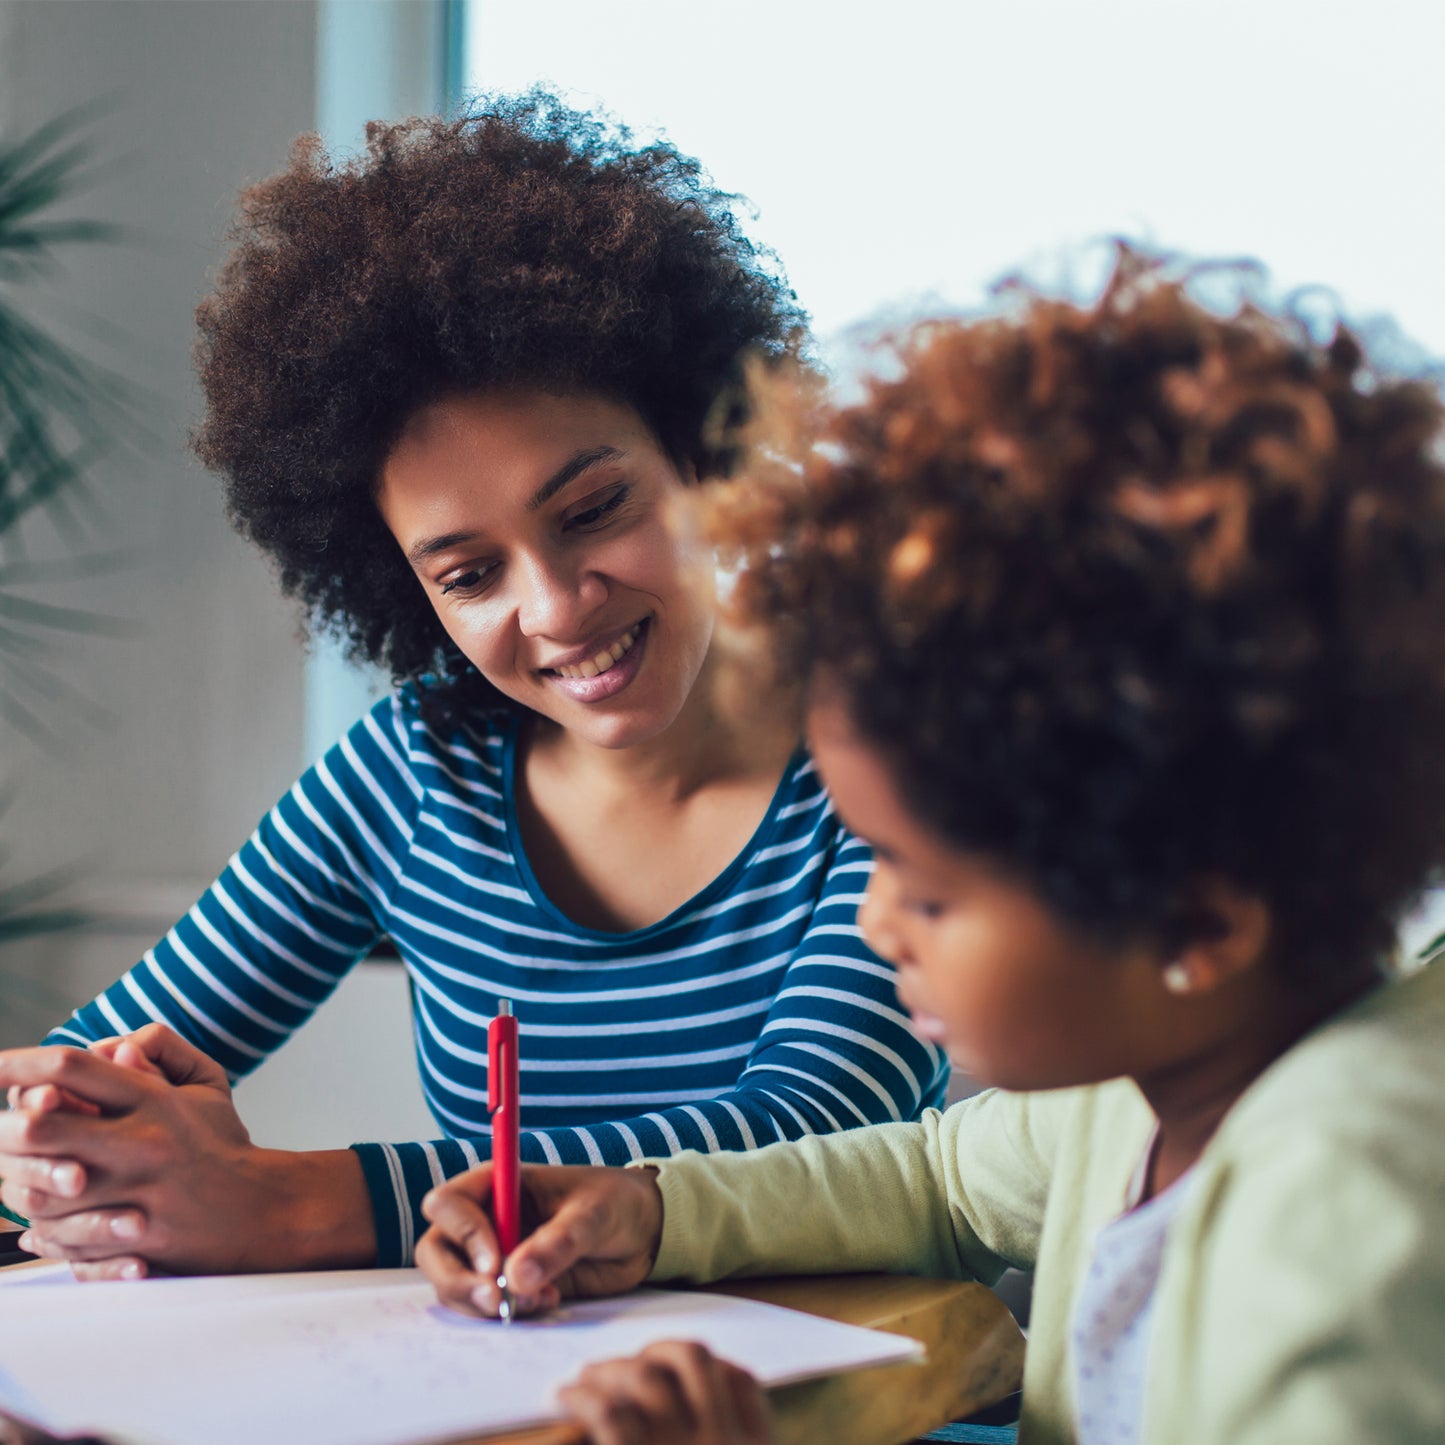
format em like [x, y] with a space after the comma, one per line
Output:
[675, 1097]
[368, 780]
[669, 1134]
[403, 1204]
[817, 1083]
[304, 850]
[469, 1152]
[634, 1146]
[606, 1029]
[871, 965]
[720, 943]
[473, 846]
[112, 1016]
[257, 889]
[200, 1016]
[780, 850]
[61, 1032]
[402, 767]
[793, 810]
[851, 1000]
[862, 1075]
[229, 995]
[453, 1123]
[754, 895]
[549, 1149]
[589, 1146]
[433, 1163]
[417, 960]
[804, 1127]
[369, 885]
[738, 1118]
[146, 1003]
[467, 785]
[239, 959]
[709, 1134]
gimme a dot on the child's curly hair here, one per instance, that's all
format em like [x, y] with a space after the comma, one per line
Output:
[1130, 594]
[526, 245]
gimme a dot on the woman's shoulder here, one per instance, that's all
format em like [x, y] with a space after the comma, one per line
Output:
[400, 731]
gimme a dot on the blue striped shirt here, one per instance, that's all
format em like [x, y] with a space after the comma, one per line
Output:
[753, 1012]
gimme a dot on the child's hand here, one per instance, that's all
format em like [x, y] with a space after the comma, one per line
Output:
[670, 1394]
[594, 1232]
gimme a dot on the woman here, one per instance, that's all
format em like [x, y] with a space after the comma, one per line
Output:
[456, 389]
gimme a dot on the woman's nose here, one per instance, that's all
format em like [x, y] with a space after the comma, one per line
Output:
[555, 599]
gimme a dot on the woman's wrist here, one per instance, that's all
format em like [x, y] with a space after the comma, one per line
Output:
[321, 1215]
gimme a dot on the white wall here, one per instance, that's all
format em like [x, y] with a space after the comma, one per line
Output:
[203, 709]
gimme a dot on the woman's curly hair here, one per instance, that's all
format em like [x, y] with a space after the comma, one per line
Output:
[526, 245]
[1130, 594]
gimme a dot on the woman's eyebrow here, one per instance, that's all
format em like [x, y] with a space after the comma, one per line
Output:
[430, 546]
[574, 467]
[568, 471]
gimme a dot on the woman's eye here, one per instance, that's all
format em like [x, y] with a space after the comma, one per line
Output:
[590, 517]
[464, 584]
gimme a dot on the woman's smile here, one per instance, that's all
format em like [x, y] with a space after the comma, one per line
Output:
[603, 673]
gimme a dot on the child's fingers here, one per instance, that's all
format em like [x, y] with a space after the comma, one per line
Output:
[598, 1235]
[457, 1210]
[459, 1287]
[629, 1402]
[727, 1401]
[673, 1392]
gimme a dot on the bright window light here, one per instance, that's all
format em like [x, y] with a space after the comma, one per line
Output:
[916, 149]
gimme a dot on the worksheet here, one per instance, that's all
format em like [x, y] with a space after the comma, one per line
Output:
[361, 1357]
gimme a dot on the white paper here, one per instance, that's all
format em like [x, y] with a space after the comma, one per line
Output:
[362, 1357]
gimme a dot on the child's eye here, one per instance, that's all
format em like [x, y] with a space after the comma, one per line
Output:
[594, 516]
[470, 582]
[923, 908]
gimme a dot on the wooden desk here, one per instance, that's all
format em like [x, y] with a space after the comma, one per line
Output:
[975, 1358]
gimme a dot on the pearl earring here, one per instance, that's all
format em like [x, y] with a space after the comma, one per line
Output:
[1176, 977]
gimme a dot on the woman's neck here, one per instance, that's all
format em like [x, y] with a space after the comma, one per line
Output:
[709, 741]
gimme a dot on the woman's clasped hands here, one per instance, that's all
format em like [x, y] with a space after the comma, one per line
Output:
[129, 1158]
[591, 1232]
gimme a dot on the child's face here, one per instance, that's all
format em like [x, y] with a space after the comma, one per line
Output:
[1017, 996]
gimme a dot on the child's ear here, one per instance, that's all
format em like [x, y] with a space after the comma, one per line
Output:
[1220, 932]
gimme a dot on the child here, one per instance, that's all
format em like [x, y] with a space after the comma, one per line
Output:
[1122, 627]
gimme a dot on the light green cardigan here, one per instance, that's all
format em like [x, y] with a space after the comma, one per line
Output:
[1302, 1295]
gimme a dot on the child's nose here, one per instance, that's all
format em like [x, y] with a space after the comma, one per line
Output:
[876, 918]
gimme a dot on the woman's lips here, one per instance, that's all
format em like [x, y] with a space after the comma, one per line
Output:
[605, 684]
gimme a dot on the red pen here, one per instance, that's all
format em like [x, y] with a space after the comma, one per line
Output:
[504, 1105]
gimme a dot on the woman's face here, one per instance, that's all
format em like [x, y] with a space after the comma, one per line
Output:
[543, 529]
